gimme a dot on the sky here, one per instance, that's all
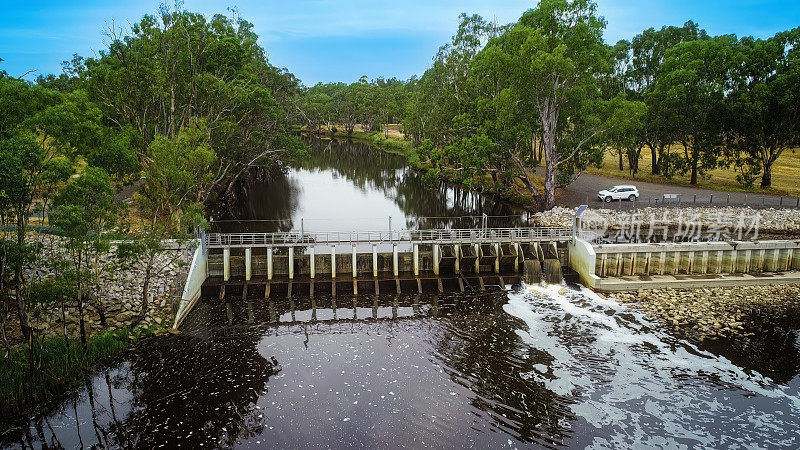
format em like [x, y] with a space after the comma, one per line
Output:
[320, 40]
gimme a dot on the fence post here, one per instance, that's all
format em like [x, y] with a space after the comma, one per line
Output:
[694, 202]
[781, 204]
[728, 202]
[711, 200]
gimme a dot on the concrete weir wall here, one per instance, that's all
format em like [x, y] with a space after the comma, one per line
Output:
[612, 267]
[198, 272]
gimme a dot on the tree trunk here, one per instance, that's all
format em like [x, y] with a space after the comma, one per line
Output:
[654, 162]
[621, 168]
[766, 177]
[694, 172]
[549, 119]
[80, 307]
[145, 293]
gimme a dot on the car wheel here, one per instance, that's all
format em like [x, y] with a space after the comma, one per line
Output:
[632, 197]
[608, 199]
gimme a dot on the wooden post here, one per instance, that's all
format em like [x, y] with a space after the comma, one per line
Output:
[226, 263]
[248, 260]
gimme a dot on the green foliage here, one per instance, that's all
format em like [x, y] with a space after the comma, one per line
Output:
[62, 364]
[179, 174]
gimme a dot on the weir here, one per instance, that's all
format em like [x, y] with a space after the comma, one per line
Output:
[266, 265]
[261, 265]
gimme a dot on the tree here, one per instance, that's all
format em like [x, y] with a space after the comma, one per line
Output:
[85, 214]
[765, 101]
[626, 130]
[692, 89]
[561, 51]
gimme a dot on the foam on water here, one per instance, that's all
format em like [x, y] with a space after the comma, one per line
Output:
[638, 385]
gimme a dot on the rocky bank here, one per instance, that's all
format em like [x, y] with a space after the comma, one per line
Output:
[120, 291]
[711, 313]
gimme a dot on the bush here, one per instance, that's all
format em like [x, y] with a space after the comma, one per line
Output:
[60, 364]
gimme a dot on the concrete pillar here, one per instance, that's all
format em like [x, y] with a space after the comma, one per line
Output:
[705, 261]
[516, 259]
[248, 261]
[795, 259]
[436, 259]
[477, 249]
[269, 263]
[719, 258]
[776, 256]
[226, 263]
[618, 270]
[677, 262]
[416, 260]
[395, 262]
[761, 260]
[333, 262]
[355, 265]
[291, 263]
[748, 255]
[633, 263]
[734, 261]
[457, 252]
[311, 262]
[662, 262]
[604, 265]
[647, 259]
[690, 268]
[497, 258]
[374, 260]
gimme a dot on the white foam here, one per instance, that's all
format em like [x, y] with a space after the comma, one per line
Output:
[646, 376]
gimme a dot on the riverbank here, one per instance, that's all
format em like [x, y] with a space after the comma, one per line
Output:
[397, 145]
[60, 365]
[714, 313]
[784, 222]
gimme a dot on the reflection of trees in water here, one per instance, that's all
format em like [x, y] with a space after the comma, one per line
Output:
[368, 169]
[175, 391]
[273, 197]
[480, 351]
[202, 391]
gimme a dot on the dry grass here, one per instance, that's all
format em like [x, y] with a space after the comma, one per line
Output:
[785, 174]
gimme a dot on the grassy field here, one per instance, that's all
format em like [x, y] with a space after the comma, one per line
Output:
[785, 174]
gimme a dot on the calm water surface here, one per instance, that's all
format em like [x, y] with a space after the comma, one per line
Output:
[533, 367]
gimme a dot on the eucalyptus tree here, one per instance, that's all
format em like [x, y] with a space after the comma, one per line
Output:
[765, 100]
[85, 213]
[561, 49]
[691, 88]
[648, 51]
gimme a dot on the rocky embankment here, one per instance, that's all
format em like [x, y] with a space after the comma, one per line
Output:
[120, 291]
[716, 312]
[728, 219]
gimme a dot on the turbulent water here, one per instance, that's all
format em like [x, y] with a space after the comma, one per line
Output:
[535, 366]
[538, 366]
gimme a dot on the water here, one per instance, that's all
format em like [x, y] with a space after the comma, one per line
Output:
[347, 186]
[552, 366]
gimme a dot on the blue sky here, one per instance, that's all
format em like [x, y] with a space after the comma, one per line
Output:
[323, 40]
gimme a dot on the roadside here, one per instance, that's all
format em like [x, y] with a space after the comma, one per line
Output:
[584, 191]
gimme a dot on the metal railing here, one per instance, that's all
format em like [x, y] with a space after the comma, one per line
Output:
[441, 236]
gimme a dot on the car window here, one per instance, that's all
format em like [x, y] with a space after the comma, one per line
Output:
[612, 189]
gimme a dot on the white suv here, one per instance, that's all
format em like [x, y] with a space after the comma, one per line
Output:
[623, 192]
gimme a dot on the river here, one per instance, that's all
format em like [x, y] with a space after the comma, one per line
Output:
[538, 366]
